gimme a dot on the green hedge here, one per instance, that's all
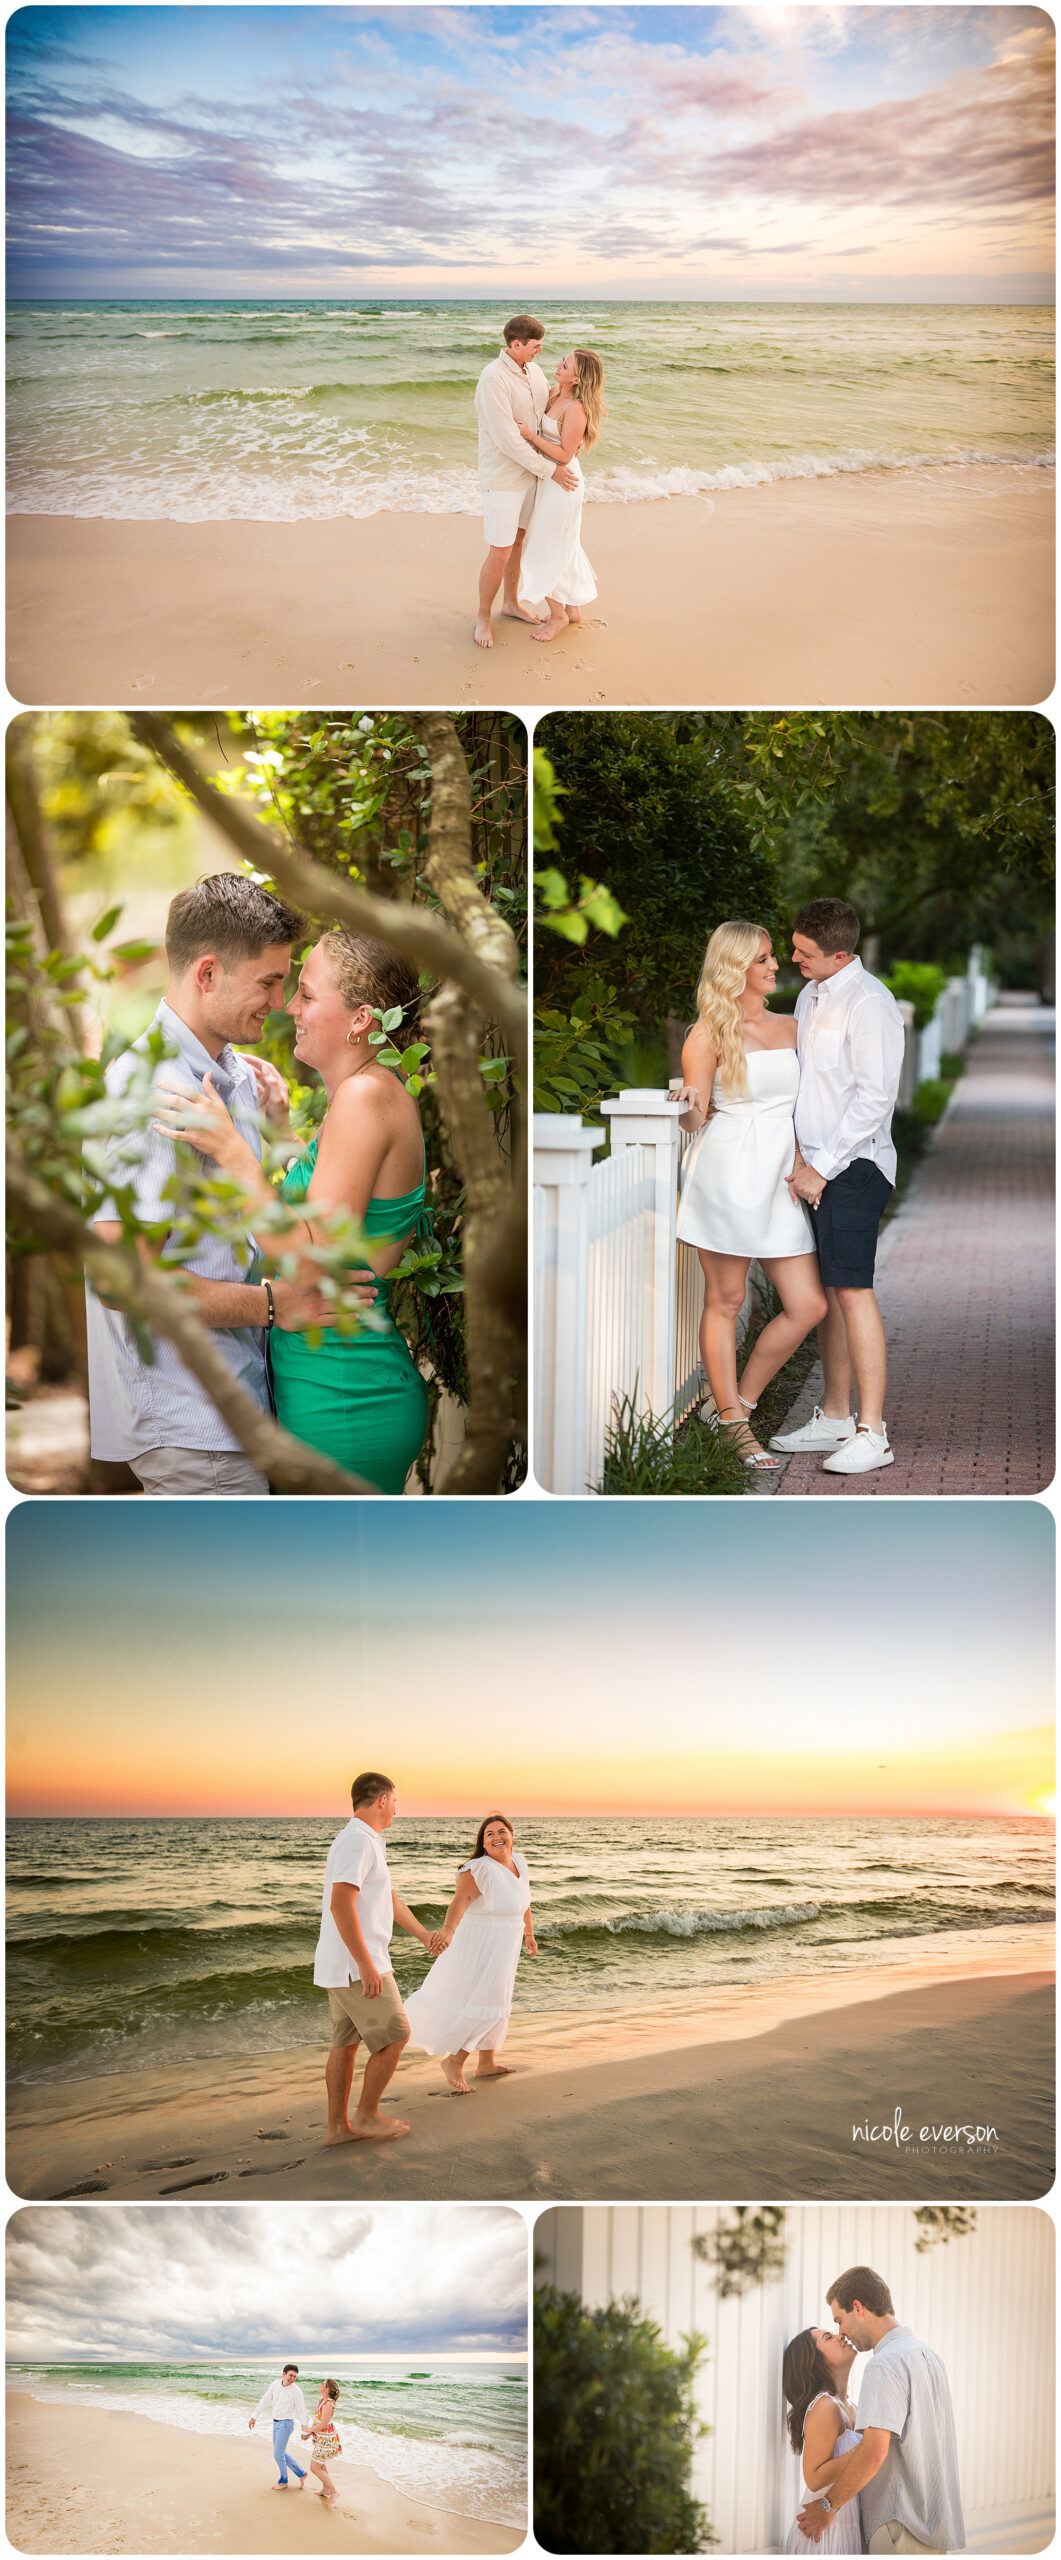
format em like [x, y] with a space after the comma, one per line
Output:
[614, 2429]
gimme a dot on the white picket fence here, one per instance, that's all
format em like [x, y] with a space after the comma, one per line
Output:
[985, 2302]
[617, 1300]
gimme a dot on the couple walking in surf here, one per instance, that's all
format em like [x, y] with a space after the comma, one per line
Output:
[465, 2000]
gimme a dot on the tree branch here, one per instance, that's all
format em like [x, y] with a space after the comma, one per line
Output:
[493, 1341]
[160, 1300]
[449, 867]
[425, 940]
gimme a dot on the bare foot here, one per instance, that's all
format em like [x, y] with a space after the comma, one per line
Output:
[378, 2128]
[339, 2133]
[551, 627]
[516, 613]
[574, 613]
[453, 2072]
[482, 634]
[498, 2071]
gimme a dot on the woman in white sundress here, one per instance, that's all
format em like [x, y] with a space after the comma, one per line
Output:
[822, 2428]
[740, 1080]
[553, 564]
[464, 2003]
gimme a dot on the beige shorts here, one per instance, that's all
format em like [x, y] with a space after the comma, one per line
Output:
[358, 2020]
[897, 2537]
[506, 513]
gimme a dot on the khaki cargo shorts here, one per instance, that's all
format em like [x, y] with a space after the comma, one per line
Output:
[358, 2020]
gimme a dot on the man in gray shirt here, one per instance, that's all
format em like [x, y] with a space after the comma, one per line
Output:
[228, 944]
[906, 2468]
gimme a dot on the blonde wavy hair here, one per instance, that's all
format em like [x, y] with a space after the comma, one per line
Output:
[727, 960]
[590, 385]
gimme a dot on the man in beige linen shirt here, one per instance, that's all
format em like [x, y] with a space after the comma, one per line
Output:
[510, 389]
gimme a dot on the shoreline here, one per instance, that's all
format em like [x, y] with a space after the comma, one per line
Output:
[747, 595]
[677, 2099]
[128, 2482]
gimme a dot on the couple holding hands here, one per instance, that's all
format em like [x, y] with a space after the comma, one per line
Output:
[465, 2000]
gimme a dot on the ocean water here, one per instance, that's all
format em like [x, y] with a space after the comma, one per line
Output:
[281, 410]
[452, 2433]
[140, 1944]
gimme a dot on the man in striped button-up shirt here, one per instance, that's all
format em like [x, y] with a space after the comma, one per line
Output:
[228, 943]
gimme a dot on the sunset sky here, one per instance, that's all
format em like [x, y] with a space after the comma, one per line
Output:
[567, 1658]
[778, 152]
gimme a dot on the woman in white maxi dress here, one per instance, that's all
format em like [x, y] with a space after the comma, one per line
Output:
[553, 564]
[740, 1078]
[464, 2003]
[822, 2428]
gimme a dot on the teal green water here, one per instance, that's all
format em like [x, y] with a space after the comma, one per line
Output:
[281, 410]
[453, 2433]
[150, 1942]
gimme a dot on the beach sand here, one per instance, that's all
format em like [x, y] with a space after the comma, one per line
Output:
[735, 2094]
[881, 588]
[101, 2480]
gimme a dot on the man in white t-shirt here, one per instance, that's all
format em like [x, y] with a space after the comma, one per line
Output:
[285, 2406]
[905, 2470]
[850, 1041]
[511, 388]
[358, 1911]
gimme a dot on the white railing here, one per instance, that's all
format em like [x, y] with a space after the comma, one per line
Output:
[617, 1298]
[962, 1004]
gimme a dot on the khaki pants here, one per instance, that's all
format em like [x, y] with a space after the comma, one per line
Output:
[191, 1472]
[897, 2537]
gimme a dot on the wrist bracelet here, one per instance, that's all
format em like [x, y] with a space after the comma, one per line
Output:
[270, 1304]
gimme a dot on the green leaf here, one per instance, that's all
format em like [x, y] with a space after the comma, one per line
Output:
[105, 923]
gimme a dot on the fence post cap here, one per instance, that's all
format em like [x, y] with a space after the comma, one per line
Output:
[642, 1102]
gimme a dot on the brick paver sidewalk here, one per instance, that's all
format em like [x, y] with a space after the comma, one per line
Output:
[966, 1287]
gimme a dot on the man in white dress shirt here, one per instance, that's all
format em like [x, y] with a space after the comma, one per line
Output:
[850, 1041]
[512, 387]
[906, 2468]
[287, 2409]
[359, 1908]
[228, 943]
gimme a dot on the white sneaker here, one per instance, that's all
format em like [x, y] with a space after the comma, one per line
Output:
[823, 1431]
[867, 1450]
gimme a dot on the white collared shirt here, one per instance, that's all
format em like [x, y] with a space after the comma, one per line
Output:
[507, 392]
[357, 1857]
[905, 2390]
[850, 1041]
[134, 1404]
[282, 2400]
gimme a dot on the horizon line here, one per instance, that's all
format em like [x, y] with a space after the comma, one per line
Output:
[583, 293]
[581, 1813]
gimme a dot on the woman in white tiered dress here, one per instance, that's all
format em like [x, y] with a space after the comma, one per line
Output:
[464, 2003]
[740, 1079]
[822, 2428]
[553, 564]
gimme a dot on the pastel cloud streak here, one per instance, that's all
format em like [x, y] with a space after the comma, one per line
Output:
[347, 150]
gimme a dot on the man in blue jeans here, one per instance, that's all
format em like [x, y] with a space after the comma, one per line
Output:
[287, 2408]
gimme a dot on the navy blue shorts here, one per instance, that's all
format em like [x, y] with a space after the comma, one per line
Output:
[846, 1222]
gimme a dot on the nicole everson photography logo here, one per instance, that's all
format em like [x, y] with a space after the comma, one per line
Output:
[927, 2137]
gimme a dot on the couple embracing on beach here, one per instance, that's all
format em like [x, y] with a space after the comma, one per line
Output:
[793, 1166]
[883, 2477]
[530, 476]
[465, 2000]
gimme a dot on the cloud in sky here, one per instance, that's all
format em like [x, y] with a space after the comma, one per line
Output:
[134, 2282]
[343, 150]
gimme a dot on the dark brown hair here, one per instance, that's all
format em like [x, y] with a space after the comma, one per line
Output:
[369, 972]
[289, 2367]
[369, 1786]
[228, 916]
[804, 2373]
[479, 1850]
[860, 2284]
[829, 922]
[523, 327]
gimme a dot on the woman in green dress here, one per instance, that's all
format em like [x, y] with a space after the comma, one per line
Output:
[359, 1398]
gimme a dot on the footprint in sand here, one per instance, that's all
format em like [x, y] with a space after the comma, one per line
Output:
[599, 697]
[213, 2178]
[141, 683]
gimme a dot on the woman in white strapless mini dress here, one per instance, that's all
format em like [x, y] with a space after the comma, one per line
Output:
[740, 1080]
[821, 2427]
[553, 565]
